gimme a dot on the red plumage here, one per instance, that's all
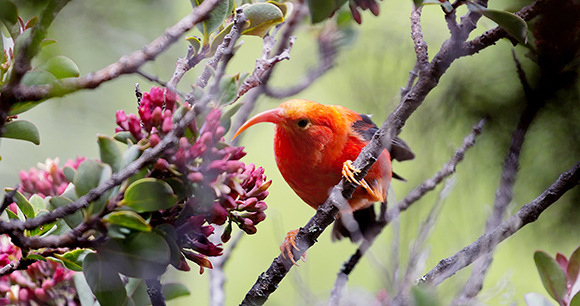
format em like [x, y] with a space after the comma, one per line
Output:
[313, 142]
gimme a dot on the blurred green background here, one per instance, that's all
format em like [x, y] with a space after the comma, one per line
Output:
[367, 78]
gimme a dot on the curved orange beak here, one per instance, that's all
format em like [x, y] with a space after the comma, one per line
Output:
[273, 116]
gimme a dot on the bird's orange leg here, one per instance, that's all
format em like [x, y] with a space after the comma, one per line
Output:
[289, 244]
[348, 171]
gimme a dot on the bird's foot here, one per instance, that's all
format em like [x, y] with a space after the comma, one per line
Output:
[289, 244]
[349, 171]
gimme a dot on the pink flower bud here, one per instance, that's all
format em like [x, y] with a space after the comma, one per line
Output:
[41, 294]
[47, 284]
[154, 140]
[122, 120]
[24, 295]
[161, 165]
[167, 125]
[195, 177]
[157, 116]
[220, 132]
[218, 214]
[135, 127]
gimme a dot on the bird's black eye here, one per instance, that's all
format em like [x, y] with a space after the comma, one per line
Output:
[302, 123]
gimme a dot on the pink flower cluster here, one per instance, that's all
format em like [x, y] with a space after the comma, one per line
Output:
[42, 283]
[48, 179]
[220, 187]
[155, 115]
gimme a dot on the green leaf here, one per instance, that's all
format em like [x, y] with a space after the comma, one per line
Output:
[322, 9]
[110, 152]
[137, 290]
[69, 173]
[35, 257]
[552, 275]
[216, 42]
[511, 23]
[195, 42]
[215, 17]
[174, 290]
[168, 232]
[8, 13]
[536, 299]
[37, 203]
[21, 107]
[284, 7]
[103, 280]
[445, 4]
[125, 137]
[41, 229]
[228, 89]
[38, 77]
[23, 130]
[91, 174]
[61, 67]
[73, 260]
[47, 42]
[22, 203]
[226, 118]
[143, 255]
[71, 220]
[131, 154]
[262, 16]
[149, 194]
[575, 300]
[83, 290]
[574, 266]
[128, 219]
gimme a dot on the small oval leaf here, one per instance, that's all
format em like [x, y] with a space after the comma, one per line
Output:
[574, 266]
[73, 260]
[511, 23]
[105, 282]
[262, 16]
[71, 220]
[143, 255]
[553, 277]
[61, 67]
[110, 152]
[38, 77]
[22, 130]
[174, 290]
[322, 9]
[149, 194]
[128, 219]
[9, 12]
[22, 203]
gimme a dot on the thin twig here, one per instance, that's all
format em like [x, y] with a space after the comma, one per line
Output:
[526, 215]
[154, 291]
[504, 193]
[413, 196]
[127, 64]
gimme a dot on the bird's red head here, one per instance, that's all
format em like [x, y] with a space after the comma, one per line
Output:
[302, 119]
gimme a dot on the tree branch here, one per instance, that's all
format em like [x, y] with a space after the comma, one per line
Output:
[527, 214]
[127, 64]
[413, 196]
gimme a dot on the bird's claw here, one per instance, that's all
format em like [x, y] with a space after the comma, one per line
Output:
[349, 171]
[289, 244]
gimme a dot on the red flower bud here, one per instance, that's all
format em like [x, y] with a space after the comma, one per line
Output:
[41, 294]
[195, 177]
[154, 140]
[167, 125]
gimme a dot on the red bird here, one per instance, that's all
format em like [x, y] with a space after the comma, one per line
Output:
[314, 145]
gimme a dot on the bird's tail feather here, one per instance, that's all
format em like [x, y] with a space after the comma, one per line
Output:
[355, 225]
